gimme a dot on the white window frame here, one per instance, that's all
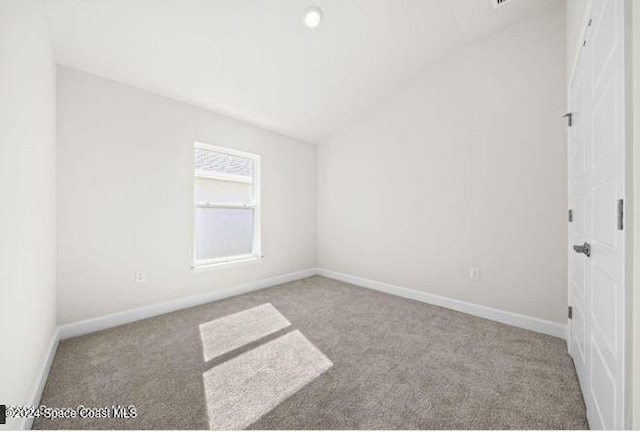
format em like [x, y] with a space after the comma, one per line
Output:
[256, 253]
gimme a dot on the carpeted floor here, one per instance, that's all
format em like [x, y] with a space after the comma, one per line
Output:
[383, 363]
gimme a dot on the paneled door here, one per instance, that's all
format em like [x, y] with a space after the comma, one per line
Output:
[597, 191]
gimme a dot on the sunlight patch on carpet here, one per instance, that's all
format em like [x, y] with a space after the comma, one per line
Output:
[228, 333]
[240, 391]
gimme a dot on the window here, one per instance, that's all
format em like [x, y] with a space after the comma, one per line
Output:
[226, 205]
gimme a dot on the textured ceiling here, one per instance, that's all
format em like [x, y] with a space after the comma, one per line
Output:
[255, 61]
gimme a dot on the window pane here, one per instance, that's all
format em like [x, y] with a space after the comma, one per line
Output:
[220, 191]
[208, 162]
[223, 232]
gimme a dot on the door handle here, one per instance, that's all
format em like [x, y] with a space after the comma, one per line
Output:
[584, 248]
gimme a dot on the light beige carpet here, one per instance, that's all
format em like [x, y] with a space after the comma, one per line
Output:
[397, 364]
[243, 389]
[225, 334]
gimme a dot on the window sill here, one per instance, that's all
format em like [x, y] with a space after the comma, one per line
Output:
[232, 262]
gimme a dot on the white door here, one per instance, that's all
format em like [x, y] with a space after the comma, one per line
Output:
[597, 184]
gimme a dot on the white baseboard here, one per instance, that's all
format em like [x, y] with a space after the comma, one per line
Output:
[119, 318]
[125, 317]
[41, 379]
[510, 318]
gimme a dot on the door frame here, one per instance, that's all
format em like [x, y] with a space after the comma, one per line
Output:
[629, 217]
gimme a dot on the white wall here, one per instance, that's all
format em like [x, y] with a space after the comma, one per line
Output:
[125, 197]
[27, 197]
[636, 226]
[464, 167]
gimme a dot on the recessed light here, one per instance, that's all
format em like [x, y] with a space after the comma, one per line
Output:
[313, 17]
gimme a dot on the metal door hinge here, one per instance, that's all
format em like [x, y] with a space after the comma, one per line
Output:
[620, 214]
[570, 215]
[570, 312]
[569, 117]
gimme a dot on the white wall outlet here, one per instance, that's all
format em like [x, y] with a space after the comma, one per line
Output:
[141, 276]
[474, 273]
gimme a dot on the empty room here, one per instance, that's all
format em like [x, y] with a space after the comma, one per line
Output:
[319, 215]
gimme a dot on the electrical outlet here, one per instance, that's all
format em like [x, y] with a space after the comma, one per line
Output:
[474, 273]
[141, 276]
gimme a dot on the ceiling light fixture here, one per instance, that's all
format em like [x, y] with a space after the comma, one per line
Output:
[313, 17]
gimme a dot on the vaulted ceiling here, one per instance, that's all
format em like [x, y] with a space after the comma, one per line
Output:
[254, 60]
